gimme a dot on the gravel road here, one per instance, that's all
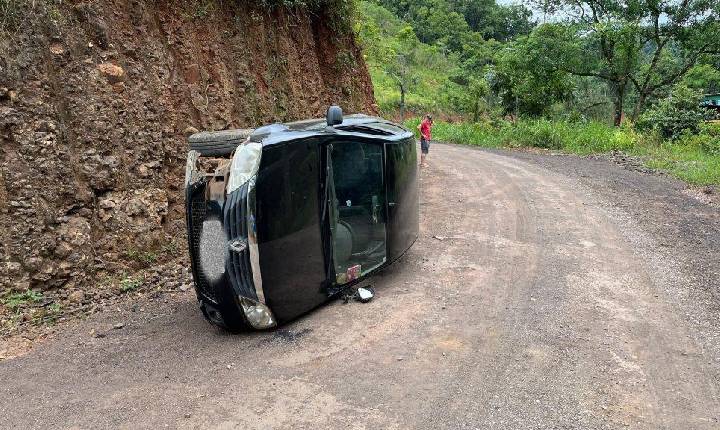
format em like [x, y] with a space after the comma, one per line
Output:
[544, 292]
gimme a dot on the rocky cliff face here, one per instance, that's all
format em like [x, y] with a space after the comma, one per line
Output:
[96, 99]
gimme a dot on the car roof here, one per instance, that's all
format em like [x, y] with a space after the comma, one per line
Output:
[358, 124]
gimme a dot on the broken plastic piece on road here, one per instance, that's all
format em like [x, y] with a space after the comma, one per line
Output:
[364, 294]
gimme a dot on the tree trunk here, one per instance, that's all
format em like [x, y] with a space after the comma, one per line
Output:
[642, 98]
[619, 102]
[402, 102]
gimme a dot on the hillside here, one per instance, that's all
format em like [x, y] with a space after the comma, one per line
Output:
[96, 99]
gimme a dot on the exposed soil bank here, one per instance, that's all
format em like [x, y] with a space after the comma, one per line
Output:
[96, 98]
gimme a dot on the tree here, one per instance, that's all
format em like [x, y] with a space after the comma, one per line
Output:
[511, 22]
[527, 76]
[703, 77]
[478, 90]
[493, 21]
[434, 21]
[400, 66]
[643, 45]
[475, 61]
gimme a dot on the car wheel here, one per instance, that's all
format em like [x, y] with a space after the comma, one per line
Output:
[218, 143]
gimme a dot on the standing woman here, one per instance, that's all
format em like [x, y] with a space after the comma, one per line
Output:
[425, 128]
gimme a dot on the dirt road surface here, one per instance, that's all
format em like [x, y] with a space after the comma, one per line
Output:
[544, 292]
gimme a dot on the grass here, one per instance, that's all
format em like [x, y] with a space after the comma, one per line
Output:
[147, 258]
[694, 159]
[15, 13]
[688, 163]
[422, 97]
[11, 14]
[17, 300]
[170, 248]
[21, 303]
[128, 284]
[49, 315]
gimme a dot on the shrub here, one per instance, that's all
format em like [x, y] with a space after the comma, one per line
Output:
[678, 114]
[128, 284]
[707, 140]
[477, 134]
[537, 133]
[577, 137]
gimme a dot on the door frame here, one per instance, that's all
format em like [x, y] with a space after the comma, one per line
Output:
[325, 149]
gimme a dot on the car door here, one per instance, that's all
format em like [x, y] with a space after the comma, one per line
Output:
[357, 207]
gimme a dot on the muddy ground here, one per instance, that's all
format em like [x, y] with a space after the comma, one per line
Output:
[544, 292]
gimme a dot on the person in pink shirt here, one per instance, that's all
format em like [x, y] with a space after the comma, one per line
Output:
[425, 128]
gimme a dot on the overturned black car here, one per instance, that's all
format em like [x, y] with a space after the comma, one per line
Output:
[284, 217]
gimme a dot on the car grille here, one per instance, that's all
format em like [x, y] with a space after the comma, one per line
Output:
[235, 221]
[197, 211]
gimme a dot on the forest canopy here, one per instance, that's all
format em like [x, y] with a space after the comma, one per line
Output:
[606, 60]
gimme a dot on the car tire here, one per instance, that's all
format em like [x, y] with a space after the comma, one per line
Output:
[218, 143]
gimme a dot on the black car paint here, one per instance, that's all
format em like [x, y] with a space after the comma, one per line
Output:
[293, 259]
[295, 250]
[290, 240]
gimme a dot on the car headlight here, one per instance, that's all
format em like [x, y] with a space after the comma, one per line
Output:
[258, 315]
[245, 164]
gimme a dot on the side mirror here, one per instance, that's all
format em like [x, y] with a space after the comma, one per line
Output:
[334, 116]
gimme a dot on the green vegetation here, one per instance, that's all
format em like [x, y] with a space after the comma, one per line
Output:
[685, 161]
[17, 300]
[676, 115]
[337, 13]
[49, 315]
[13, 13]
[170, 249]
[201, 9]
[586, 138]
[444, 76]
[29, 305]
[312, 5]
[128, 284]
[147, 258]
[611, 75]
[694, 158]
[10, 14]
